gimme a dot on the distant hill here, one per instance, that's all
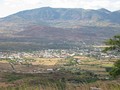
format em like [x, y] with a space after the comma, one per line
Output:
[48, 13]
[58, 27]
[61, 17]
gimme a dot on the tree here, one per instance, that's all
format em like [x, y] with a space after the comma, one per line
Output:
[116, 69]
[114, 45]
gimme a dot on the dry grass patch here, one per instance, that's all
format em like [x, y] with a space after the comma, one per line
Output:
[46, 61]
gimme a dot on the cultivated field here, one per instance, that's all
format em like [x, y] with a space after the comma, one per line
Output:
[56, 74]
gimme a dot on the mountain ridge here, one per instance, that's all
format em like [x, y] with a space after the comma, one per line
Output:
[48, 13]
[57, 28]
[61, 18]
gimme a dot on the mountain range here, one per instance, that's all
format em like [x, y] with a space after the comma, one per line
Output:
[48, 13]
[51, 27]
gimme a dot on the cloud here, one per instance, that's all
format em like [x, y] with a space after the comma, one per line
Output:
[11, 6]
[87, 4]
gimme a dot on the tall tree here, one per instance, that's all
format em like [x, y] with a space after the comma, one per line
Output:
[114, 45]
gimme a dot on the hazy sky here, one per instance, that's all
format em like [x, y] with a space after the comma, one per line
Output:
[8, 7]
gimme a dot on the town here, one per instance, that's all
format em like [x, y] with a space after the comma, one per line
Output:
[59, 53]
[52, 60]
